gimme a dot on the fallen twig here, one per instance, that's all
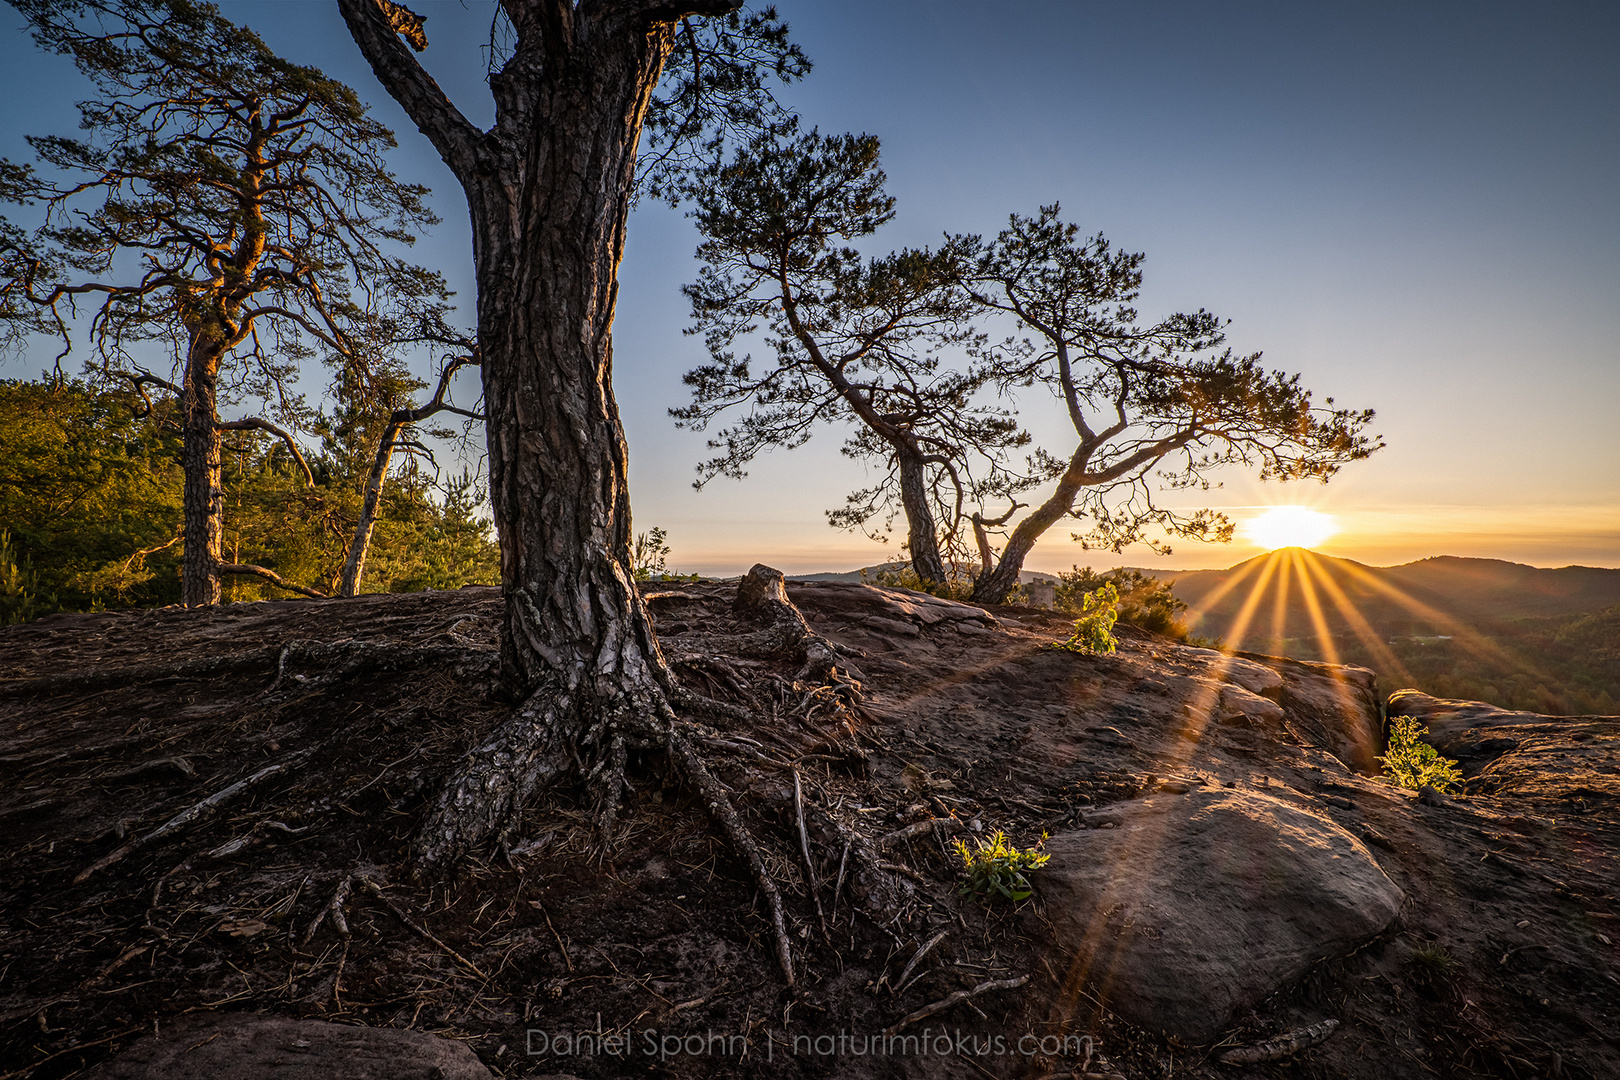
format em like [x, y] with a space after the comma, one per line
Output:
[1284, 1045]
[567, 960]
[961, 995]
[334, 907]
[896, 868]
[916, 957]
[192, 814]
[421, 931]
[909, 832]
[804, 847]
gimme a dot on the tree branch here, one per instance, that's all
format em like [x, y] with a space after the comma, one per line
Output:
[430, 109]
[258, 424]
[271, 576]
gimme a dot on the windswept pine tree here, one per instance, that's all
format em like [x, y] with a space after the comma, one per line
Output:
[225, 207]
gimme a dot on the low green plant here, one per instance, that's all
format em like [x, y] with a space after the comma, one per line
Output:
[1145, 601]
[1412, 763]
[1094, 629]
[1432, 966]
[958, 583]
[996, 868]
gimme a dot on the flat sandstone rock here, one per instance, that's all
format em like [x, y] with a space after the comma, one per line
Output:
[1192, 908]
[252, 1046]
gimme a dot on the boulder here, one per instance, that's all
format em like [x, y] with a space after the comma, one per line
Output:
[1181, 911]
[1235, 702]
[1448, 720]
[1335, 707]
[251, 1046]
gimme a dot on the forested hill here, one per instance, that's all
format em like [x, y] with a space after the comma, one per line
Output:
[1415, 598]
[1517, 636]
[1494, 588]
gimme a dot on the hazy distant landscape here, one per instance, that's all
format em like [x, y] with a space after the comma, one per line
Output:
[1522, 637]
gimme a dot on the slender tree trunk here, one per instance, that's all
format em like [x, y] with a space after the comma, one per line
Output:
[922, 533]
[995, 586]
[203, 502]
[354, 567]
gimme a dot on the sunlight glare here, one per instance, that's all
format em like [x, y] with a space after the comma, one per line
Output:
[1290, 526]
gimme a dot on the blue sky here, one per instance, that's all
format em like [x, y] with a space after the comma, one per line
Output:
[1414, 205]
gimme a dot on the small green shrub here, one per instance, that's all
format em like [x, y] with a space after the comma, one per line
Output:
[958, 584]
[996, 868]
[1412, 763]
[1094, 629]
[649, 558]
[1144, 600]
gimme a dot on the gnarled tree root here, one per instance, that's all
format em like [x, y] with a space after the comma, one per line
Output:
[1287, 1044]
[581, 732]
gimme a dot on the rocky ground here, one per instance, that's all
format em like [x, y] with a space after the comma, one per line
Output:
[203, 819]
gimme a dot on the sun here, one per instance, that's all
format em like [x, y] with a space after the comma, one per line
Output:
[1290, 526]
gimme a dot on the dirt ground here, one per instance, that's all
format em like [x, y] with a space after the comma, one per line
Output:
[654, 957]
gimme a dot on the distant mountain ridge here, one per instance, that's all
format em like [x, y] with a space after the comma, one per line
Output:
[1451, 585]
[1519, 637]
[1423, 597]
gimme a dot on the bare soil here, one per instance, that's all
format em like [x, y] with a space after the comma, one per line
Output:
[1505, 962]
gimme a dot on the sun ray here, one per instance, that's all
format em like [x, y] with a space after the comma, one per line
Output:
[1359, 625]
[1245, 615]
[1279, 606]
[1196, 612]
[1465, 635]
[1313, 607]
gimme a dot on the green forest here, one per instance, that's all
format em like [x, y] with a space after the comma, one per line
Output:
[1565, 665]
[90, 501]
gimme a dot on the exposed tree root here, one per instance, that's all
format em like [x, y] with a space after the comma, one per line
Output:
[417, 928]
[959, 996]
[195, 813]
[1285, 1045]
[564, 733]
[762, 598]
[352, 657]
[720, 808]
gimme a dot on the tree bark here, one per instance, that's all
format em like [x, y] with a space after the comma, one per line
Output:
[204, 496]
[995, 586]
[558, 461]
[354, 567]
[921, 533]
[549, 193]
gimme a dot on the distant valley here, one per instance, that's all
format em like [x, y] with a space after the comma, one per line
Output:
[1522, 637]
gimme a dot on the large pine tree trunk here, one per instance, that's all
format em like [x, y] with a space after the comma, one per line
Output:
[576, 640]
[203, 501]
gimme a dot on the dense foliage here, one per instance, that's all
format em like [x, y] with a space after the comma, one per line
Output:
[1558, 665]
[90, 495]
[226, 217]
[1142, 600]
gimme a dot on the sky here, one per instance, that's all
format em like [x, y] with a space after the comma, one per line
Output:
[1415, 206]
